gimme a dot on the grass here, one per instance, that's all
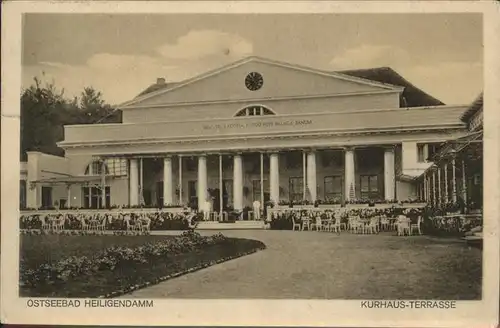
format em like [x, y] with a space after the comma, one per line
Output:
[36, 250]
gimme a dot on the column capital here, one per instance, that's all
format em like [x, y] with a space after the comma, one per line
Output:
[349, 148]
[389, 147]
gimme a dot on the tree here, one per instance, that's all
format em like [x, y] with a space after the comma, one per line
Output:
[45, 111]
[40, 108]
[95, 109]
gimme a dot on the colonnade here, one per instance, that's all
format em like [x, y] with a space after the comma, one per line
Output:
[309, 177]
[431, 189]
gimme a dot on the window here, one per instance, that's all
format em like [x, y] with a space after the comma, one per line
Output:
[95, 168]
[369, 186]
[159, 193]
[117, 166]
[421, 153]
[296, 189]
[294, 160]
[256, 190]
[22, 194]
[192, 192]
[333, 187]
[227, 190]
[47, 197]
[255, 111]
[92, 197]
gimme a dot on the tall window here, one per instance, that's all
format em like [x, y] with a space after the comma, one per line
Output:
[369, 186]
[159, 193]
[296, 189]
[256, 190]
[421, 153]
[95, 168]
[22, 194]
[333, 187]
[47, 197]
[227, 191]
[192, 192]
[92, 197]
[255, 111]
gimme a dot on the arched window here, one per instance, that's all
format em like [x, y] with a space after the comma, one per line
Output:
[256, 110]
[95, 168]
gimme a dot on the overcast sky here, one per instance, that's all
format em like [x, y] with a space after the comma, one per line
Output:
[121, 55]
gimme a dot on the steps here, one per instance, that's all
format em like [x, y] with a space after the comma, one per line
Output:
[238, 225]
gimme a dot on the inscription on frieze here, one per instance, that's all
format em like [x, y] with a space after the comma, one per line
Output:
[247, 125]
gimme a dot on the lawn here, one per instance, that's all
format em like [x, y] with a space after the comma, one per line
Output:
[51, 249]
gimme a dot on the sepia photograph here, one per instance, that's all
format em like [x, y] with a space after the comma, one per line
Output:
[250, 156]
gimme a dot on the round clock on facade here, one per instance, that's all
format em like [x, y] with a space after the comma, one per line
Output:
[254, 81]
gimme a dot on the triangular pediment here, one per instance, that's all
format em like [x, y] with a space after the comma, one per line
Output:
[278, 80]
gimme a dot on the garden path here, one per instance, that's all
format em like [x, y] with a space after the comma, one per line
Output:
[324, 265]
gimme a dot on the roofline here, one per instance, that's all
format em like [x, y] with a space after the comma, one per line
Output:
[478, 101]
[264, 60]
[400, 76]
[382, 110]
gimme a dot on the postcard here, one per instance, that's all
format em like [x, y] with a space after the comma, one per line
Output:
[250, 163]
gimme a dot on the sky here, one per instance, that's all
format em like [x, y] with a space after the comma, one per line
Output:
[122, 54]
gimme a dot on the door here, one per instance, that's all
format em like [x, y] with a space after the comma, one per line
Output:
[47, 197]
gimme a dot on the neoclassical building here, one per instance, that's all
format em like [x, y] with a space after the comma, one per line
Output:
[256, 129]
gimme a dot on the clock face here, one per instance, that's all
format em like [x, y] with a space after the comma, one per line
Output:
[254, 81]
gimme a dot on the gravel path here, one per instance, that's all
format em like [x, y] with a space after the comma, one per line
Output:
[320, 265]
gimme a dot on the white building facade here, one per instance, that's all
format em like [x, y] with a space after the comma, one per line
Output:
[256, 129]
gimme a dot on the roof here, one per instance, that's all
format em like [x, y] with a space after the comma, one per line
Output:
[476, 105]
[70, 180]
[155, 87]
[411, 96]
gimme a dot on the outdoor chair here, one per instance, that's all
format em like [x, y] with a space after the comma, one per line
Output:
[384, 223]
[102, 224]
[296, 224]
[372, 227]
[416, 226]
[335, 225]
[84, 225]
[59, 222]
[45, 222]
[403, 225]
[130, 227]
[325, 223]
[146, 224]
[306, 223]
[317, 224]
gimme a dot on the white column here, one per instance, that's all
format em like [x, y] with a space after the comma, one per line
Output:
[221, 189]
[434, 198]
[68, 189]
[168, 197]
[311, 175]
[304, 175]
[262, 199]
[454, 179]
[439, 194]
[141, 182]
[274, 178]
[350, 182]
[445, 182]
[389, 174]
[425, 188]
[133, 183]
[180, 180]
[464, 183]
[103, 184]
[202, 181]
[237, 183]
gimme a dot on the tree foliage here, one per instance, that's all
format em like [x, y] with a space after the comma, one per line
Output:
[45, 110]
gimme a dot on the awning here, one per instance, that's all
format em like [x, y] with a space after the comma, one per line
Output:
[82, 180]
